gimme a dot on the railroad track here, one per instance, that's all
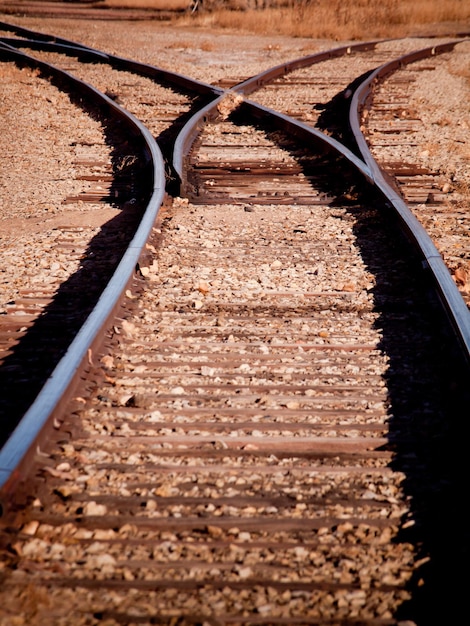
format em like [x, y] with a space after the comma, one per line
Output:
[75, 273]
[112, 182]
[264, 434]
[304, 91]
[437, 199]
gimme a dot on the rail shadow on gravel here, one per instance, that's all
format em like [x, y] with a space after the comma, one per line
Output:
[427, 382]
[430, 415]
[426, 386]
[34, 357]
[334, 116]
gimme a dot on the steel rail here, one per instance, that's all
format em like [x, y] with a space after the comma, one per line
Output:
[18, 452]
[310, 135]
[450, 296]
[193, 127]
[255, 82]
[26, 440]
[121, 63]
[34, 34]
[69, 48]
[41, 41]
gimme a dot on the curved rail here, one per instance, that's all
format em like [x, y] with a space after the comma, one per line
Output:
[70, 48]
[28, 436]
[450, 296]
[33, 34]
[257, 81]
[40, 41]
[192, 128]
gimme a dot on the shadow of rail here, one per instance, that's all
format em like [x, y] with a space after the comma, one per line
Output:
[427, 384]
[33, 358]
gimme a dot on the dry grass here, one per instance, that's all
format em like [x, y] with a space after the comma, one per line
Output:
[348, 19]
[329, 19]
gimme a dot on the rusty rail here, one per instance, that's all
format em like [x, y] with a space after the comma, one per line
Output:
[451, 299]
[27, 438]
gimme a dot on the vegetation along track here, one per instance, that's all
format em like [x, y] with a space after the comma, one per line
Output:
[265, 434]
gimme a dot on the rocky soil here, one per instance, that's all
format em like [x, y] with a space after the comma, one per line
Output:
[31, 206]
[37, 174]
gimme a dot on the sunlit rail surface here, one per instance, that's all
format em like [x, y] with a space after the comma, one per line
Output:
[259, 421]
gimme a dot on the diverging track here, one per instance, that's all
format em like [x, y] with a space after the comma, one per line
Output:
[264, 435]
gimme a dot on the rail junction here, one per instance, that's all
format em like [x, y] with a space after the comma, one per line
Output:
[256, 416]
